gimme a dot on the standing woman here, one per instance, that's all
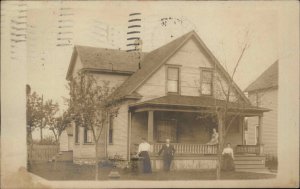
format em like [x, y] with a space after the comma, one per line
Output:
[228, 163]
[143, 152]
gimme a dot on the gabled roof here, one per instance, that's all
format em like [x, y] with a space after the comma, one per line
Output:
[155, 59]
[103, 59]
[268, 79]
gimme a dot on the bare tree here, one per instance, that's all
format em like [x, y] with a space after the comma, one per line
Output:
[90, 106]
[225, 90]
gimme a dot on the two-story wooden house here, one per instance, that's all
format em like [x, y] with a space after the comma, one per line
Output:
[171, 92]
[263, 92]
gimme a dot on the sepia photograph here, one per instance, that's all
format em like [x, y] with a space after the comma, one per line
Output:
[132, 93]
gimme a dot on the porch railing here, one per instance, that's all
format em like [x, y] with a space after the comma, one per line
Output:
[189, 149]
[249, 149]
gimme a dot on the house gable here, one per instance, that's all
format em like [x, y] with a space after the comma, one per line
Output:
[191, 58]
[154, 60]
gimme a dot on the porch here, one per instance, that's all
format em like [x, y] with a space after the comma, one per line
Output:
[189, 126]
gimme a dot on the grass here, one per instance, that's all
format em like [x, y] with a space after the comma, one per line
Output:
[70, 171]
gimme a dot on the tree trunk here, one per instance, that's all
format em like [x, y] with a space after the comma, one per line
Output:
[30, 140]
[96, 161]
[221, 142]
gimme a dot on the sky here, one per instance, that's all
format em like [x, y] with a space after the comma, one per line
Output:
[224, 27]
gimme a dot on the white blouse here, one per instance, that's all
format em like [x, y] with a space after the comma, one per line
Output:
[144, 146]
[228, 151]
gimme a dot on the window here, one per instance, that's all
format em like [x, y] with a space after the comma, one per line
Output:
[167, 129]
[76, 134]
[173, 80]
[88, 135]
[110, 131]
[207, 82]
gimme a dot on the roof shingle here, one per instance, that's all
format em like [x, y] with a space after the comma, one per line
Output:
[111, 60]
[267, 79]
[197, 101]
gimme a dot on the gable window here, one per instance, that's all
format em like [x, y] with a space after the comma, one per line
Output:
[207, 82]
[173, 80]
[88, 135]
[110, 131]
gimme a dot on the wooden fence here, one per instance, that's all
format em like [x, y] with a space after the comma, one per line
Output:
[42, 152]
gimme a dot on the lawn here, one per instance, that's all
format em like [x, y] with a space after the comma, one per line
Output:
[70, 171]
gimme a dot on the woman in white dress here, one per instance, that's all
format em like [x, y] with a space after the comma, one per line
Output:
[227, 158]
[214, 138]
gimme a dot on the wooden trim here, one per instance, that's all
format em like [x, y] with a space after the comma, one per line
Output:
[150, 126]
[242, 120]
[107, 71]
[260, 130]
[164, 60]
[129, 136]
[173, 110]
[72, 63]
[201, 80]
[179, 79]
[214, 60]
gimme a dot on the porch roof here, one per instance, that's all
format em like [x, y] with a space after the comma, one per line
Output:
[195, 104]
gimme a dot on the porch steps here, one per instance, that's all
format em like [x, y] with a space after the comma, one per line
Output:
[250, 163]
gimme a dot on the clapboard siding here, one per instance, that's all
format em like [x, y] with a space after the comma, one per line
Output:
[120, 133]
[191, 59]
[85, 152]
[115, 80]
[139, 128]
[268, 100]
[64, 141]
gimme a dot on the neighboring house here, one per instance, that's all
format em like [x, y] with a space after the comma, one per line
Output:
[173, 92]
[263, 92]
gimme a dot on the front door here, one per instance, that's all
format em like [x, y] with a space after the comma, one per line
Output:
[167, 129]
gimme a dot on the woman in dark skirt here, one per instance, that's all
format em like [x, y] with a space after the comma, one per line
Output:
[227, 159]
[143, 152]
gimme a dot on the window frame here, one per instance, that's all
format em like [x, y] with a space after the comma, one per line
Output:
[204, 69]
[85, 136]
[77, 134]
[178, 82]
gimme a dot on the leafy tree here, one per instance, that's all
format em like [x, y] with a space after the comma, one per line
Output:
[90, 106]
[33, 113]
[58, 124]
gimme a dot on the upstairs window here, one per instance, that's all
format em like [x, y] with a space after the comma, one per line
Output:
[173, 80]
[207, 82]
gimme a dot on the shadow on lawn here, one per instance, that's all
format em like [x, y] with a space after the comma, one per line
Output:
[70, 171]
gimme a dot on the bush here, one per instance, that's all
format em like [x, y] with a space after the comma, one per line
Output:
[271, 162]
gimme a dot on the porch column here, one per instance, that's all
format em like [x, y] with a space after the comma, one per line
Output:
[129, 136]
[260, 132]
[242, 122]
[150, 126]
